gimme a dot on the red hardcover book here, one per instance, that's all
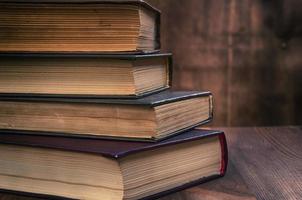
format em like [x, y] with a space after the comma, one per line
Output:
[80, 168]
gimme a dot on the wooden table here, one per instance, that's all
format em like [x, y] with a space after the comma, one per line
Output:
[264, 163]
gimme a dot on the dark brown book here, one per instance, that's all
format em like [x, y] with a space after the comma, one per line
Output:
[84, 75]
[105, 169]
[130, 26]
[149, 118]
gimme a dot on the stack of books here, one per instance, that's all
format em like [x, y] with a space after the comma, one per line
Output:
[85, 106]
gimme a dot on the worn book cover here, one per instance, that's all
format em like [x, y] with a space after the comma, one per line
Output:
[103, 26]
[203, 148]
[150, 118]
[84, 75]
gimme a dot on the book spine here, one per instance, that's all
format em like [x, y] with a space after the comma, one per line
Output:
[211, 107]
[224, 154]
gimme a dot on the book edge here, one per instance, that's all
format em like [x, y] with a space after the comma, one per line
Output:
[138, 101]
[136, 2]
[224, 160]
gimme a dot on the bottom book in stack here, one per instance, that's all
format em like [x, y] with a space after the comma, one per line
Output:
[80, 168]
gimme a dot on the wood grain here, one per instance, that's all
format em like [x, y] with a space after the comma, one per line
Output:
[265, 163]
[245, 52]
[269, 159]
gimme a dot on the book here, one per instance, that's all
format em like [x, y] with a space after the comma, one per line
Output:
[130, 26]
[106, 169]
[85, 75]
[149, 118]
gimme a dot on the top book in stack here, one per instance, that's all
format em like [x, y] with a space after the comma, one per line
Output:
[86, 26]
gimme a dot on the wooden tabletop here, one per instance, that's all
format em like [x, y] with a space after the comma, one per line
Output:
[264, 163]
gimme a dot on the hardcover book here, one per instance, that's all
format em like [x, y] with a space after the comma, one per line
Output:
[105, 169]
[130, 26]
[84, 75]
[149, 118]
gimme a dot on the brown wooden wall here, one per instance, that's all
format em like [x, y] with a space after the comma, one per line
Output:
[247, 52]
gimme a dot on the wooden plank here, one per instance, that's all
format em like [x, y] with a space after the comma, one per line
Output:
[245, 52]
[269, 160]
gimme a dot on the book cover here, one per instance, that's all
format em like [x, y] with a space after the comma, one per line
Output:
[120, 149]
[50, 39]
[17, 61]
[202, 110]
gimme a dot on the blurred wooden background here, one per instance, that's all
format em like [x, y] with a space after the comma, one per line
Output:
[247, 52]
